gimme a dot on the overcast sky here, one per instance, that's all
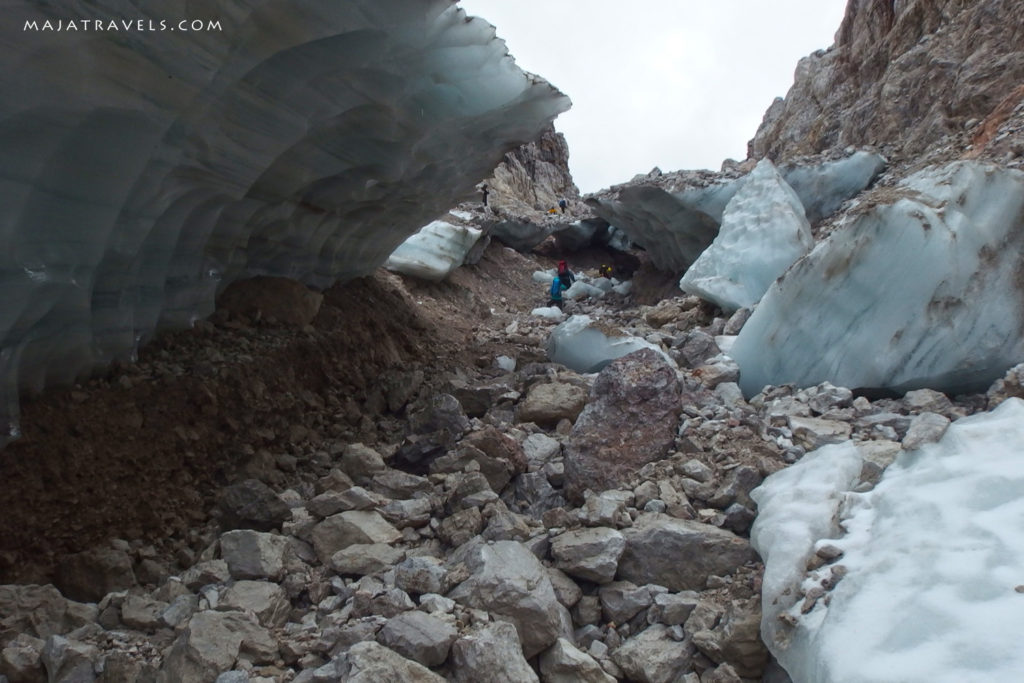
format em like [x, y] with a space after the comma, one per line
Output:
[678, 84]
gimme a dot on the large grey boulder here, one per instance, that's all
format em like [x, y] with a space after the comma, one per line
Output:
[39, 611]
[630, 420]
[339, 531]
[264, 599]
[419, 636]
[564, 663]
[590, 554]
[69, 661]
[212, 642]
[680, 554]
[253, 554]
[370, 662]
[491, 653]
[653, 656]
[366, 558]
[508, 580]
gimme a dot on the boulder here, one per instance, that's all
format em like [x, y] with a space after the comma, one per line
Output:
[212, 643]
[68, 660]
[21, 659]
[589, 554]
[491, 653]
[653, 656]
[680, 554]
[370, 662]
[251, 504]
[508, 581]
[88, 576]
[548, 403]
[39, 611]
[366, 558]
[339, 531]
[564, 663]
[264, 599]
[419, 636]
[253, 554]
[630, 420]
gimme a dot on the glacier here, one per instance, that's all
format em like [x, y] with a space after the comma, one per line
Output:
[145, 171]
[763, 232]
[923, 287]
[932, 587]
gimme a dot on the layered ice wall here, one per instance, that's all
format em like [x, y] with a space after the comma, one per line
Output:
[143, 170]
[923, 287]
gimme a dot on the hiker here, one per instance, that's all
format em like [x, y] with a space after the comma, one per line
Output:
[565, 274]
[484, 190]
[562, 204]
[552, 210]
[557, 286]
[605, 271]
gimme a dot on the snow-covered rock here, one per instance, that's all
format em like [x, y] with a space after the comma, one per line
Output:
[763, 232]
[922, 288]
[930, 561]
[434, 252]
[584, 345]
[305, 141]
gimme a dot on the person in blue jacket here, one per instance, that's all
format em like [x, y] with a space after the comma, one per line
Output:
[558, 285]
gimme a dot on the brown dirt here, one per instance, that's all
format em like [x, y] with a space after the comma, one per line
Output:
[141, 452]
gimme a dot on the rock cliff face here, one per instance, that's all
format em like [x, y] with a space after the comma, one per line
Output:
[902, 75]
[534, 177]
[144, 170]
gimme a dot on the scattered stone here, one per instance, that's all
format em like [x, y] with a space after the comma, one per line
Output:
[814, 432]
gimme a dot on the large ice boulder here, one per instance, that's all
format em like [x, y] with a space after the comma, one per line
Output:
[676, 224]
[586, 345]
[763, 232]
[922, 287]
[823, 187]
[146, 170]
[926, 587]
[434, 252]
